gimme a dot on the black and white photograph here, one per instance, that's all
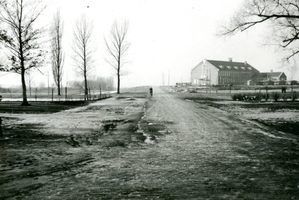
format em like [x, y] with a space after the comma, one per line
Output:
[149, 99]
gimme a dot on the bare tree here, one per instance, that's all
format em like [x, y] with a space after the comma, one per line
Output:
[281, 15]
[20, 38]
[57, 55]
[83, 48]
[117, 46]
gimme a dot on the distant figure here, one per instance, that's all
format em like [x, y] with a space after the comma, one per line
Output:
[1, 134]
[151, 91]
[283, 89]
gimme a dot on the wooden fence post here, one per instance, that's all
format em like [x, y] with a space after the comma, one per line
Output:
[35, 94]
[52, 94]
[89, 94]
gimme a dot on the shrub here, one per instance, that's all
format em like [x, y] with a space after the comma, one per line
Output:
[266, 96]
[258, 96]
[238, 97]
[234, 97]
[275, 96]
[285, 96]
[241, 97]
[246, 97]
[294, 96]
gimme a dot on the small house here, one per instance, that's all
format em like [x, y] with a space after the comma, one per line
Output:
[269, 78]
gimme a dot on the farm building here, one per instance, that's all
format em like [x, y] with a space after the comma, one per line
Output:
[214, 72]
[269, 78]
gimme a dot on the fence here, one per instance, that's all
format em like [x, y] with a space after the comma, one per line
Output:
[240, 88]
[45, 94]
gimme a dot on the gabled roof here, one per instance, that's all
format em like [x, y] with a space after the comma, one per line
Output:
[233, 66]
[271, 74]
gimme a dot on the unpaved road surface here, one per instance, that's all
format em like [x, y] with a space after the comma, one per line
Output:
[191, 151]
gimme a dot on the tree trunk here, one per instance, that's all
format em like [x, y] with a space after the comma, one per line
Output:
[58, 84]
[25, 102]
[59, 93]
[23, 71]
[85, 72]
[118, 83]
[85, 85]
[118, 76]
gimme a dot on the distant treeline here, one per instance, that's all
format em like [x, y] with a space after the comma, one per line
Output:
[99, 83]
[4, 90]
[104, 83]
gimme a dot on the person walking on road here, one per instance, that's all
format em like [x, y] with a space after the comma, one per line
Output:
[151, 91]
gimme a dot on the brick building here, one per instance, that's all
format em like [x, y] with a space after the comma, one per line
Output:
[214, 72]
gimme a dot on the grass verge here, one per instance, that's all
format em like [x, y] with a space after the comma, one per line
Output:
[39, 106]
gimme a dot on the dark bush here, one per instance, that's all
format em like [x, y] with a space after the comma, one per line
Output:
[234, 97]
[285, 96]
[258, 96]
[294, 96]
[275, 96]
[266, 96]
[247, 96]
[238, 97]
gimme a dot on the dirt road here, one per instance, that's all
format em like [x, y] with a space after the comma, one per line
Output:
[193, 151]
[220, 156]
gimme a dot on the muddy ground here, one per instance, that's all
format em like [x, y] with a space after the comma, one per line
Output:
[169, 146]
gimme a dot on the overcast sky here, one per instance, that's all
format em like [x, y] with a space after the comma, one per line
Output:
[166, 36]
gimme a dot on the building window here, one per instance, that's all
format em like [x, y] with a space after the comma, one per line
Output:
[221, 66]
[243, 68]
[229, 67]
[249, 68]
[236, 67]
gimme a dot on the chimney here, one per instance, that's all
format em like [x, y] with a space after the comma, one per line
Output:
[230, 59]
[271, 70]
[245, 62]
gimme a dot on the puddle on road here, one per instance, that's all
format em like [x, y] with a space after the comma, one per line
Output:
[152, 131]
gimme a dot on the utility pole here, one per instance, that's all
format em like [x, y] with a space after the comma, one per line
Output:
[169, 77]
[163, 79]
[48, 84]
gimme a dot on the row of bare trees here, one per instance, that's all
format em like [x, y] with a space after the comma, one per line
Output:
[23, 43]
[22, 40]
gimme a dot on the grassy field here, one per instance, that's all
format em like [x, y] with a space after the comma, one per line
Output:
[39, 106]
[72, 94]
[56, 106]
[280, 116]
